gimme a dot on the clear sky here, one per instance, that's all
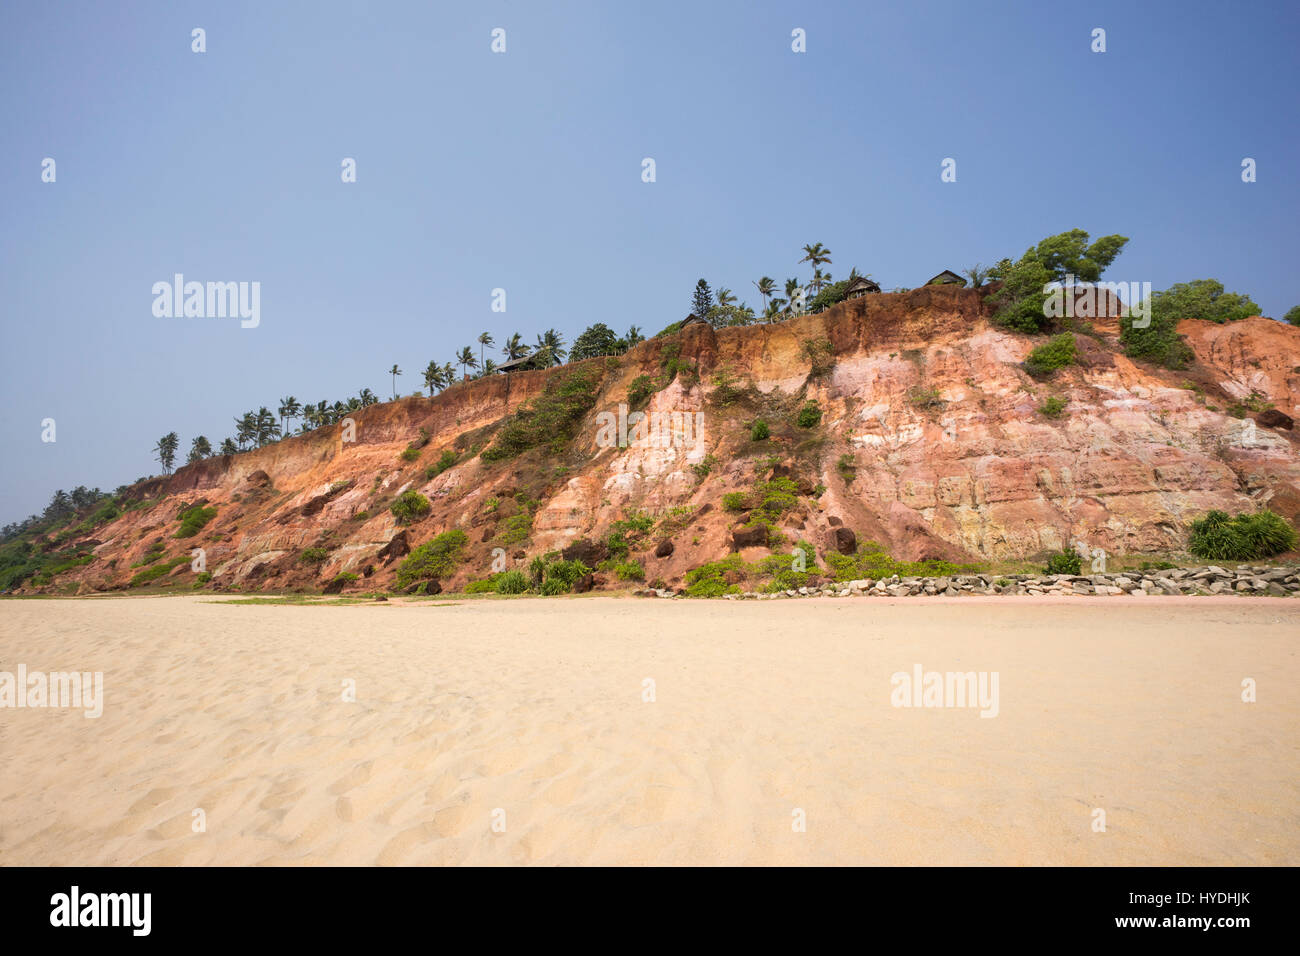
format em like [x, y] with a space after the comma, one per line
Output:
[522, 170]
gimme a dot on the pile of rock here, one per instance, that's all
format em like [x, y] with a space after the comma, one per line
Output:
[1245, 580]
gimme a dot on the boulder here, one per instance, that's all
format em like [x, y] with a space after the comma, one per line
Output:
[742, 537]
[664, 548]
[1272, 418]
[584, 583]
[398, 547]
[590, 553]
[844, 540]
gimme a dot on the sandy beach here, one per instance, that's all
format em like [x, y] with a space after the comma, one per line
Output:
[523, 731]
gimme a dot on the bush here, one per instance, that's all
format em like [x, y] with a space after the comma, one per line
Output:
[409, 454]
[629, 571]
[1202, 299]
[409, 506]
[735, 501]
[345, 577]
[709, 580]
[641, 388]
[725, 391]
[873, 561]
[548, 419]
[511, 582]
[434, 559]
[1019, 299]
[810, 416]
[193, 520]
[1055, 354]
[445, 461]
[203, 578]
[1245, 537]
[627, 533]
[1158, 343]
[759, 431]
[1293, 315]
[820, 355]
[158, 570]
[702, 468]
[1053, 407]
[847, 466]
[923, 397]
[1065, 562]
[313, 555]
[553, 586]
[565, 572]
[484, 586]
[516, 528]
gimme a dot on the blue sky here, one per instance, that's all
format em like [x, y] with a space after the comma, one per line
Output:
[522, 171]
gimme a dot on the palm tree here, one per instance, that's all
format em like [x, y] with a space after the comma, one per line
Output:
[791, 290]
[489, 367]
[550, 346]
[165, 451]
[773, 311]
[267, 429]
[817, 254]
[449, 374]
[484, 340]
[394, 371]
[433, 378]
[977, 274]
[228, 447]
[368, 398]
[289, 409]
[724, 298]
[466, 359]
[633, 336]
[200, 448]
[766, 288]
[514, 347]
[820, 279]
[245, 429]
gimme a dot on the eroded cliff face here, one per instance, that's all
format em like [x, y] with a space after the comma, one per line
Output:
[931, 442]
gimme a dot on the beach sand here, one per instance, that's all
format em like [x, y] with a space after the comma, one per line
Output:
[530, 713]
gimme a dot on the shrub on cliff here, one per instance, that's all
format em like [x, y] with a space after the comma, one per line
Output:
[810, 416]
[641, 388]
[434, 559]
[313, 555]
[1293, 315]
[759, 431]
[1244, 537]
[1064, 562]
[193, 520]
[1158, 343]
[1202, 299]
[1053, 407]
[709, 580]
[409, 506]
[511, 582]
[447, 459]
[549, 419]
[871, 560]
[1055, 354]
